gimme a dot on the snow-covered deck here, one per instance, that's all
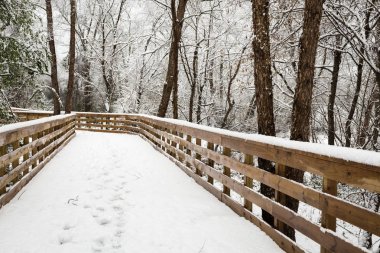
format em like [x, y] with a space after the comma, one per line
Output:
[115, 193]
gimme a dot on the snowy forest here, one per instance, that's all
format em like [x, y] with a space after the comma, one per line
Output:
[302, 70]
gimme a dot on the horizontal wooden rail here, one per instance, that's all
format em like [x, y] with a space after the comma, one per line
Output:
[193, 149]
[26, 147]
[100, 122]
[27, 115]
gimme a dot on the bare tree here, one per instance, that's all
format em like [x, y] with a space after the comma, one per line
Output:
[332, 96]
[263, 86]
[53, 59]
[360, 67]
[70, 83]
[171, 82]
[301, 112]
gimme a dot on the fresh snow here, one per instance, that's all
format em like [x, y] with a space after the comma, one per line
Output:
[115, 193]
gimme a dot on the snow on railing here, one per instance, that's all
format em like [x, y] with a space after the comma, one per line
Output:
[204, 153]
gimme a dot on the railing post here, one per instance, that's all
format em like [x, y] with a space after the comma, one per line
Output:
[188, 151]
[3, 168]
[173, 143]
[248, 182]
[34, 150]
[163, 139]
[327, 221]
[26, 156]
[39, 135]
[226, 171]
[16, 162]
[198, 156]
[125, 118]
[210, 162]
[48, 131]
[180, 147]
[279, 197]
[168, 142]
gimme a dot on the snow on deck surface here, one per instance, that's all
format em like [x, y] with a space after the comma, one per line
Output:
[115, 193]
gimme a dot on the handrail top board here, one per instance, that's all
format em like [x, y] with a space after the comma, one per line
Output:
[12, 132]
[322, 151]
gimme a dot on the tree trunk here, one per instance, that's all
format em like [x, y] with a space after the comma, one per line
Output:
[376, 129]
[221, 70]
[301, 112]
[193, 83]
[263, 86]
[334, 83]
[363, 133]
[251, 108]
[53, 60]
[199, 104]
[172, 72]
[354, 101]
[348, 131]
[88, 89]
[175, 99]
[70, 84]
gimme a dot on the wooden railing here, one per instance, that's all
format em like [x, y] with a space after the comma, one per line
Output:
[205, 154]
[26, 147]
[27, 115]
[192, 148]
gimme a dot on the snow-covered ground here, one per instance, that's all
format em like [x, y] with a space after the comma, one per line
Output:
[115, 193]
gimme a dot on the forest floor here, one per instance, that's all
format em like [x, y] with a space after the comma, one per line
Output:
[115, 193]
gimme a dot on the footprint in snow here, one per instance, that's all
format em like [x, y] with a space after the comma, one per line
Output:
[100, 241]
[119, 232]
[108, 181]
[116, 245]
[63, 239]
[116, 197]
[104, 221]
[120, 223]
[68, 226]
[117, 208]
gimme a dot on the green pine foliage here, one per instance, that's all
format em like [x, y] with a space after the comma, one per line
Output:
[23, 54]
[22, 48]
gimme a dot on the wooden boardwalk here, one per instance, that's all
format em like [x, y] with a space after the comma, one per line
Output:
[115, 193]
[223, 162]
